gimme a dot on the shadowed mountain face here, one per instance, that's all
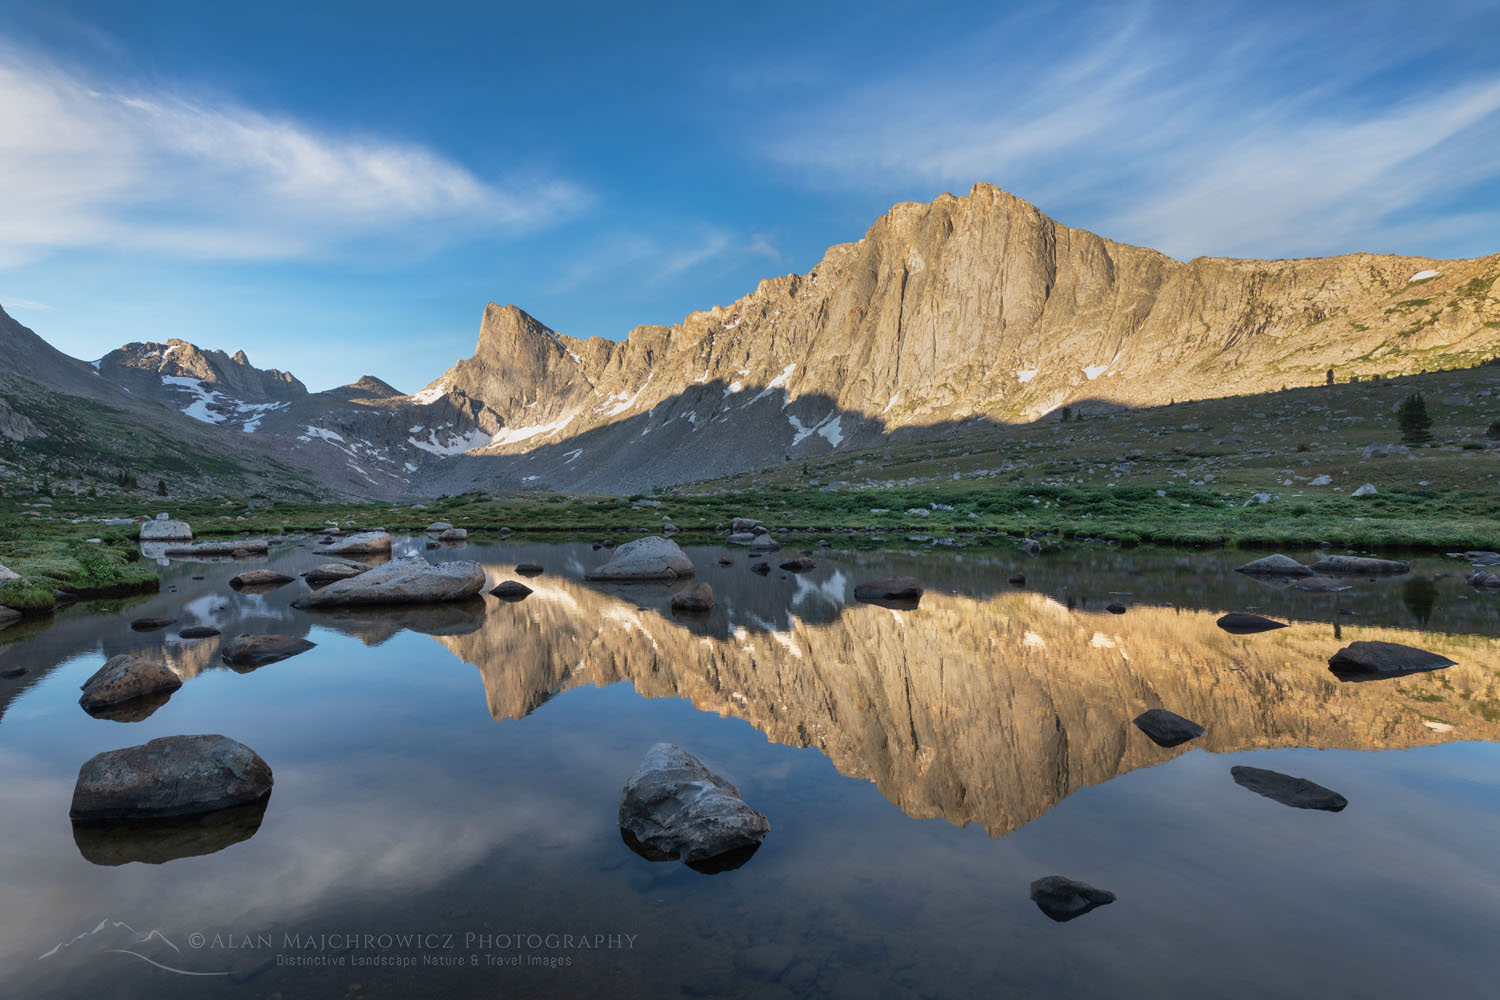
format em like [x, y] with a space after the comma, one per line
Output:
[988, 710]
[975, 307]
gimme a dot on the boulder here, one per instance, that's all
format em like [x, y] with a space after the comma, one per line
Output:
[1323, 480]
[259, 650]
[1371, 660]
[1484, 580]
[801, 564]
[1277, 565]
[1367, 490]
[1240, 623]
[649, 558]
[330, 572]
[1115, 608]
[530, 569]
[1382, 450]
[412, 580]
[674, 807]
[437, 527]
[197, 632]
[695, 599]
[510, 590]
[1358, 566]
[259, 578]
[150, 624]
[741, 538]
[761, 568]
[745, 524]
[1167, 729]
[1299, 793]
[454, 535]
[1062, 899]
[725, 561]
[8, 574]
[764, 543]
[1017, 579]
[220, 547]
[889, 588]
[1031, 546]
[124, 678]
[166, 531]
[363, 542]
[169, 777]
[1321, 585]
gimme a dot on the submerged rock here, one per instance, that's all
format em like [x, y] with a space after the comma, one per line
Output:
[168, 777]
[649, 558]
[197, 632]
[364, 542]
[1277, 565]
[259, 578]
[1062, 899]
[127, 677]
[511, 590]
[150, 624]
[530, 569]
[764, 543]
[1299, 793]
[1358, 566]
[1484, 580]
[1240, 623]
[259, 650]
[674, 807]
[697, 598]
[454, 535]
[412, 580]
[1371, 660]
[222, 547]
[330, 572]
[1167, 729]
[741, 538]
[802, 564]
[761, 568]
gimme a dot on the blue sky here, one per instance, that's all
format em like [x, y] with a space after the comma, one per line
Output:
[339, 188]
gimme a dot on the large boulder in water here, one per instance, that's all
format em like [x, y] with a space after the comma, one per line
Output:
[1360, 661]
[1299, 793]
[649, 558]
[124, 678]
[266, 578]
[674, 807]
[1062, 899]
[1358, 566]
[412, 580]
[166, 531]
[363, 543]
[329, 572]
[1277, 565]
[172, 776]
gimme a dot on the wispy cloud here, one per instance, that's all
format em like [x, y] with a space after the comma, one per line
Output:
[12, 303]
[641, 259]
[1254, 130]
[760, 244]
[85, 163]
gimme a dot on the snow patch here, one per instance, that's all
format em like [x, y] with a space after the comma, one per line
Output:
[1027, 374]
[1423, 276]
[198, 409]
[432, 393]
[512, 435]
[1094, 371]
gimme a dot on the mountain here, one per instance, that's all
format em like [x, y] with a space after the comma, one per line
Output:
[969, 313]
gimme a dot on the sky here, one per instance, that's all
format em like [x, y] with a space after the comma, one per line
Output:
[339, 187]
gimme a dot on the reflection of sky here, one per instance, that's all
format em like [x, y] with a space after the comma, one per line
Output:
[399, 801]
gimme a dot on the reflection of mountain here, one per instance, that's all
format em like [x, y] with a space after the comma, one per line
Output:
[987, 711]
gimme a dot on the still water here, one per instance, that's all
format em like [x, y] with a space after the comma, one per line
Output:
[447, 782]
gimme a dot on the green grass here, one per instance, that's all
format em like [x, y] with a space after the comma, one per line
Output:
[55, 556]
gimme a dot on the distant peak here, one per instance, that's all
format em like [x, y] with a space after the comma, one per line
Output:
[241, 358]
[369, 385]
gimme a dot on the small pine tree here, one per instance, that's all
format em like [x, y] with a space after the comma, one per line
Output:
[161, 487]
[1330, 376]
[1412, 418]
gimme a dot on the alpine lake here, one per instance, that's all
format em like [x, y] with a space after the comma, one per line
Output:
[447, 782]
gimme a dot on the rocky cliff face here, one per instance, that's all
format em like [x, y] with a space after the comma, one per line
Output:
[977, 310]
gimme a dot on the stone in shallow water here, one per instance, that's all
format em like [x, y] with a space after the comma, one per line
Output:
[1277, 565]
[454, 535]
[802, 564]
[1167, 729]
[330, 572]
[413, 580]
[150, 624]
[530, 569]
[695, 599]
[511, 590]
[124, 678]
[650, 558]
[1241, 623]
[1360, 661]
[1063, 899]
[166, 531]
[259, 578]
[198, 632]
[168, 777]
[674, 807]
[259, 650]
[361, 543]
[1299, 793]
[1358, 566]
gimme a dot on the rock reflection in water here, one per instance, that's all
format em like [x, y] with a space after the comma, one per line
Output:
[976, 710]
[157, 842]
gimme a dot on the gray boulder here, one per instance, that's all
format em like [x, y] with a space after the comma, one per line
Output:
[1484, 580]
[412, 580]
[362, 543]
[1360, 661]
[1367, 490]
[172, 776]
[437, 527]
[1031, 546]
[744, 524]
[166, 531]
[1062, 899]
[695, 599]
[454, 535]
[764, 543]
[8, 574]
[674, 807]
[1358, 566]
[124, 678]
[1167, 729]
[741, 538]
[649, 558]
[1299, 793]
[258, 650]
[259, 578]
[1277, 565]
[329, 572]
[219, 547]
